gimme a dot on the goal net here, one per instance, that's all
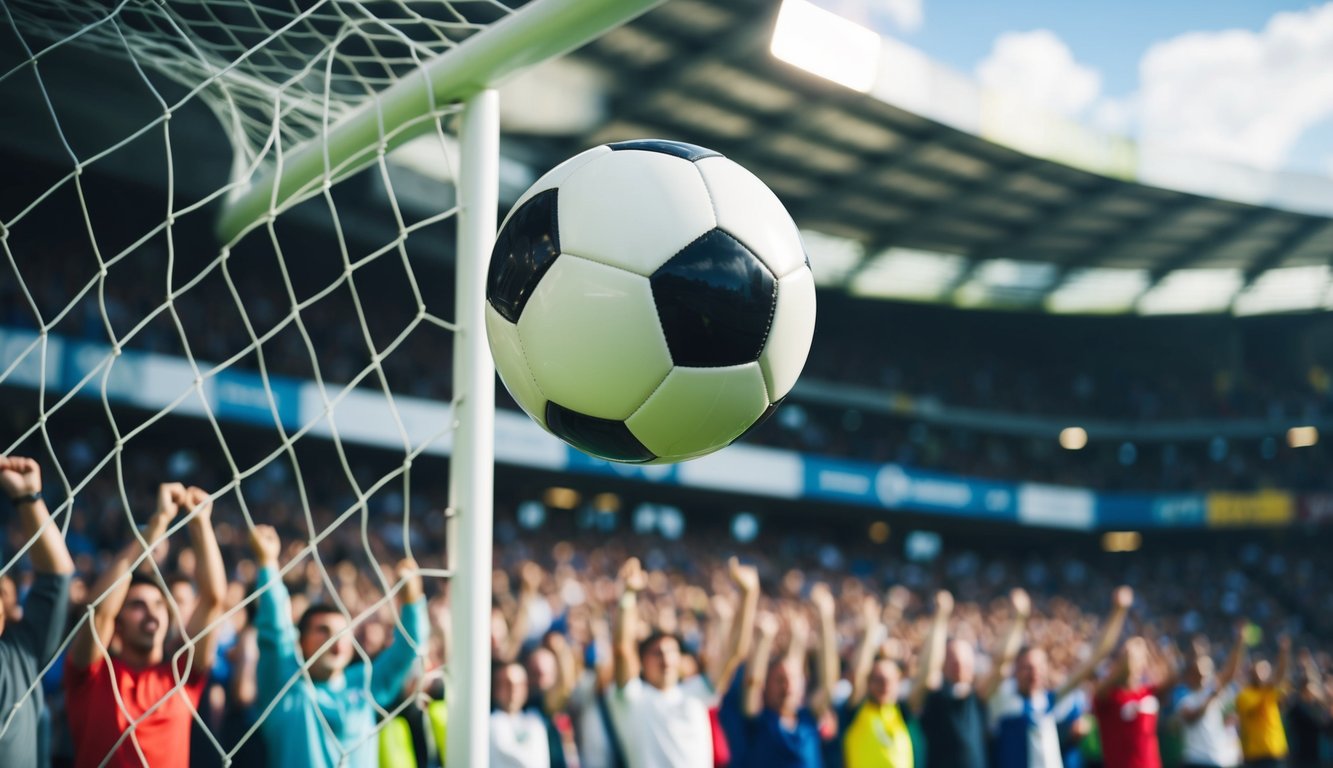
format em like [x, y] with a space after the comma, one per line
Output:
[216, 270]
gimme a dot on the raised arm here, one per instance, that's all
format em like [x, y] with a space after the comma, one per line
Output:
[757, 671]
[930, 670]
[47, 603]
[1121, 599]
[211, 575]
[746, 579]
[21, 481]
[530, 582]
[566, 673]
[1224, 678]
[825, 608]
[113, 585]
[1283, 669]
[625, 649]
[1021, 607]
[390, 669]
[1310, 671]
[275, 633]
[865, 652]
[1231, 667]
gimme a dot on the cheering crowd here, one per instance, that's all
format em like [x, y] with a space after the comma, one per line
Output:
[180, 655]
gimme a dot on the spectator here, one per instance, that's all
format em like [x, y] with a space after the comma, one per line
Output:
[1309, 716]
[1209, 741]
[1263, 740]
[785, 719]
[133, 705]
[953, 717]
[659, 723]
[1026, 716]
[519, 734]
[28, 644]
[325, 713]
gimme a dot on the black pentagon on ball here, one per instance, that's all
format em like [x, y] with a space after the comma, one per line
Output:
[606, 438]
[691, 152]
[715, 300]
[524, 250]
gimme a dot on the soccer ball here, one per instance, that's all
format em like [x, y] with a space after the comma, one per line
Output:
[649, 301]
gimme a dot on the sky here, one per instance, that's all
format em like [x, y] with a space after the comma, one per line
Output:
[1250, 81]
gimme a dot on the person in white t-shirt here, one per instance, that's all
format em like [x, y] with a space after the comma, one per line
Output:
[1209, 740]
[659, 723]
[518, 735]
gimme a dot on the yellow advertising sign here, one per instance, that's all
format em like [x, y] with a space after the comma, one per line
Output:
[1265, 508]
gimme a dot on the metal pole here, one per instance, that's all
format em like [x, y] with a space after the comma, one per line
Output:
[471, 476]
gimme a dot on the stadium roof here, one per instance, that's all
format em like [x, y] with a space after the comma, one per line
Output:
[914, 183]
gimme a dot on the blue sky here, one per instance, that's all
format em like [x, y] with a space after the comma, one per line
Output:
[1221, 77]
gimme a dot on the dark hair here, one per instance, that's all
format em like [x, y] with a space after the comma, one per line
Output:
[655, 637]
[137, 578]
[314, 611]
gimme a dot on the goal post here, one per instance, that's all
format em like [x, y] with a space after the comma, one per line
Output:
[471, 476]
[540, 31]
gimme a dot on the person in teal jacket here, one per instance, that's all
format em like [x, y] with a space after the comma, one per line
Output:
[328, 720]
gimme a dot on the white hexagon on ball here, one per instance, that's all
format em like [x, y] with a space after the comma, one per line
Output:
[633, 210]
[592, 340]
[700, 409]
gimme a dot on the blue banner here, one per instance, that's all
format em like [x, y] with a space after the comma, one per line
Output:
[241, 396]
[891, 486]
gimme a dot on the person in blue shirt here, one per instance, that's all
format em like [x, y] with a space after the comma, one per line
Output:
[1026, 716]
[328, 717]
[783, 717]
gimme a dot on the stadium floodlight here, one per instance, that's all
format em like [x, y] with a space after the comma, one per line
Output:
[1098, 290]
[826, 44]
[1006, 282]
[1302, 437]
[1192, 291]
[909, 274]
[561, 498]
[1073, 438]
[1288, 289]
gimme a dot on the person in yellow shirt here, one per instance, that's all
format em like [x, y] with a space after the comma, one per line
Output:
[875, 731]
[877, 736]
[1263, 741]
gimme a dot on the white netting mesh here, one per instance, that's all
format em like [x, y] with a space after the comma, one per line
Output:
[276, 75]
[298, 375]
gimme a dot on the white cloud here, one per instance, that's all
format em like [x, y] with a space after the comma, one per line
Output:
[1114, 116]
[1240, 95]
[1039, 68]
[883, 16]
[907, 14]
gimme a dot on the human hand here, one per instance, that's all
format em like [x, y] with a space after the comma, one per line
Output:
[745, 577]
[266, 545]
[632, 578]
[20, 476]
[170, 498]
[410, 575]
[1122, 598]
[1020, 602]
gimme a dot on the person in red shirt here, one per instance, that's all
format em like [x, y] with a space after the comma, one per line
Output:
[1127, 705]
[133, 707]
